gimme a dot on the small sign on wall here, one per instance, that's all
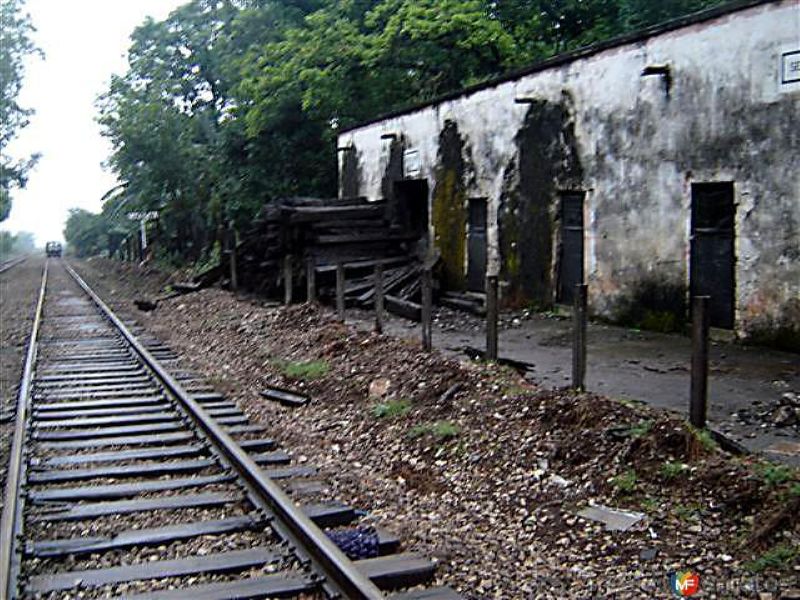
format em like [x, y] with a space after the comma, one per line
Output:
[412, 165]
[790, 67]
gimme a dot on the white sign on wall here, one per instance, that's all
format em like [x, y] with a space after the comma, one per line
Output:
[412, 165]
[789, 70]
[790, 67]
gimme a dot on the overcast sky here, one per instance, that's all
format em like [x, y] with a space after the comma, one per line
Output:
[84, 41]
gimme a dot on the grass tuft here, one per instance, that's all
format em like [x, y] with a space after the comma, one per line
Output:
[313, 369]
[392, 409]
[774, 558]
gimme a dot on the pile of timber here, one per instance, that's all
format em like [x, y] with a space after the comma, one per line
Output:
[323, 232]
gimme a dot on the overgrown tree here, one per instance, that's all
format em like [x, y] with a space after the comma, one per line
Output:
[15, 45]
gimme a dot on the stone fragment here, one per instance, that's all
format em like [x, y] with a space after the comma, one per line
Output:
[614, 519]
[379, 387]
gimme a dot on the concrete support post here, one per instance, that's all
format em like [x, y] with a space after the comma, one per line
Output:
[491, 317]
[579, 317]
[699, 385]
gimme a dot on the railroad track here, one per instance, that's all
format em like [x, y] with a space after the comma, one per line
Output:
[11, 263]
[129, 477]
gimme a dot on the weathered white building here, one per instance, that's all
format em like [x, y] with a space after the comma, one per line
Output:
[652, 167]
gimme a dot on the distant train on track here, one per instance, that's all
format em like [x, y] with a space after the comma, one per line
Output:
[53, 248]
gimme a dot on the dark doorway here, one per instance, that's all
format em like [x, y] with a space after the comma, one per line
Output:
[712, 259]
[412, 206]
[476, 246]
[570, 264]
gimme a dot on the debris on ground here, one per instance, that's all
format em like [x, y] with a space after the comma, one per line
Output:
[489, 478]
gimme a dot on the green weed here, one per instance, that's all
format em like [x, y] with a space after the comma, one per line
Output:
[625, 482]
[670, 470]
[392, 409]
[775, 475]
[441, 430]
[313, 369]
[774, 558]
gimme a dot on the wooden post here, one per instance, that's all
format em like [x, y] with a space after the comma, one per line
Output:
[699, 386]
[311, 279]
[579, 337]
[379, 298]
[287, 279]
[232, 256]
[340, 291]
[491, 317]
[427, 309]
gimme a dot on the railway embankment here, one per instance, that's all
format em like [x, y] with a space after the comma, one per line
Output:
[521, 490]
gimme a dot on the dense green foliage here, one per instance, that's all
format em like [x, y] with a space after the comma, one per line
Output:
[230, 103]
[15, 45]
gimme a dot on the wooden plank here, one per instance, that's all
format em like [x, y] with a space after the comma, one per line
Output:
[404, 308]
[308, 214]
[120, 391]
[238, 429]
[284, 396]
[438, 593]
[82, 434]
[278, 585]
[115, 420]
[127, 440]
[288, 472]
[254, 445]
[232, 420]
[79, 512]
[398, 570]
[329, 514]
[58, 381]
[55, 415]
[213, 563]
[100, 457]
[123, 490]
[277, 457]
[138, 537]
[120, 471]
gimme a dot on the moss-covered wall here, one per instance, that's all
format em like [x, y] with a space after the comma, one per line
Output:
[546, 162]
[449, 210]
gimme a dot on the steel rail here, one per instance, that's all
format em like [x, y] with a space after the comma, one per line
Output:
[10, 264]
[11, 521]
[339, 571]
